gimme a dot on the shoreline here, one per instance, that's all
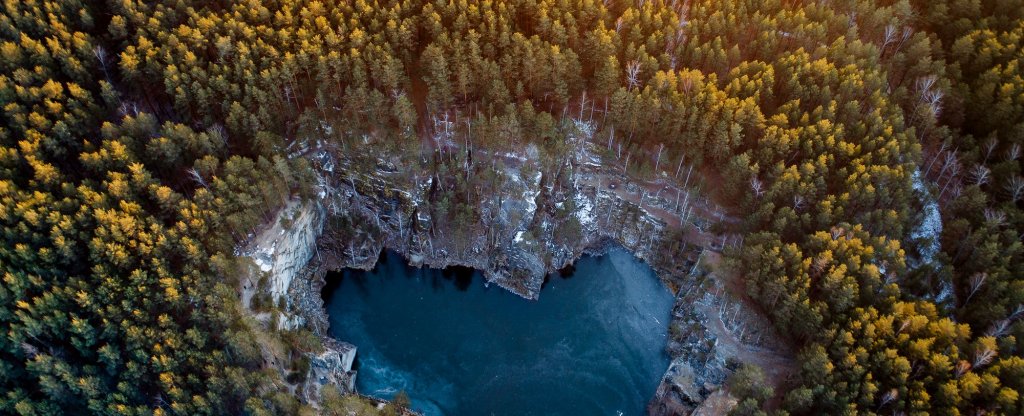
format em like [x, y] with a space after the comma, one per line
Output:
[361, 217]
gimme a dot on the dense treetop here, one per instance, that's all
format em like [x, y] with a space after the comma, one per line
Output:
[142, 140]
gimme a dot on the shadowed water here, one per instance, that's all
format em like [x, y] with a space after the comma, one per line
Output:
[593, 344]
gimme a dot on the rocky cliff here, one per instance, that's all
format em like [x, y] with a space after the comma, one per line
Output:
[528, 226]
[280, 253]
[284, 249]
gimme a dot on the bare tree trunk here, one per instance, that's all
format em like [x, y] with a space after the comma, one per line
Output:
[976, 281]
[938, 153]
[583, 103]
[401, 229]
[697, 263]
[657, 161]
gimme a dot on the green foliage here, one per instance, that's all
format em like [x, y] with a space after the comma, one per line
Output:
[748, 382]
[142, 140]
[334, 403]
[115, 298]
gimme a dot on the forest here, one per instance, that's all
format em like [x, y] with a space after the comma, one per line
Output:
[872, 148]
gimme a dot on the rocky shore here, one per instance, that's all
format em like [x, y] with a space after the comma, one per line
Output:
[531, 228]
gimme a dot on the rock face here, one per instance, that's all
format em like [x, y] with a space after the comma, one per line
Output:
[332, 367]
[281, 253]
[284, 249]
[526, 226]
[698, 365]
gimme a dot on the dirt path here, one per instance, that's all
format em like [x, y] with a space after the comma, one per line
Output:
[777, 365]
[734, 331]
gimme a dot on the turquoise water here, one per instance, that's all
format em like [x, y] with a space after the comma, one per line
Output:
[592, 345]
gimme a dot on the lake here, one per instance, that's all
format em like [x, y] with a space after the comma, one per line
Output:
[594, 343]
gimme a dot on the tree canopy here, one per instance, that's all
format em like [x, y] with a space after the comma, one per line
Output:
[142, 140]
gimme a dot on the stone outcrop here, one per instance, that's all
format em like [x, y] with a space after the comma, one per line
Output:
[281, 252]
[332, 367]
[527, 228]
[284, 249]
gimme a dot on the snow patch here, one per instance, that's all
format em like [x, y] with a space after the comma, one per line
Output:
[327, 127]
[510, 155]
[262, 260]
[585, 210]
[530, 195]
[928, 231]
